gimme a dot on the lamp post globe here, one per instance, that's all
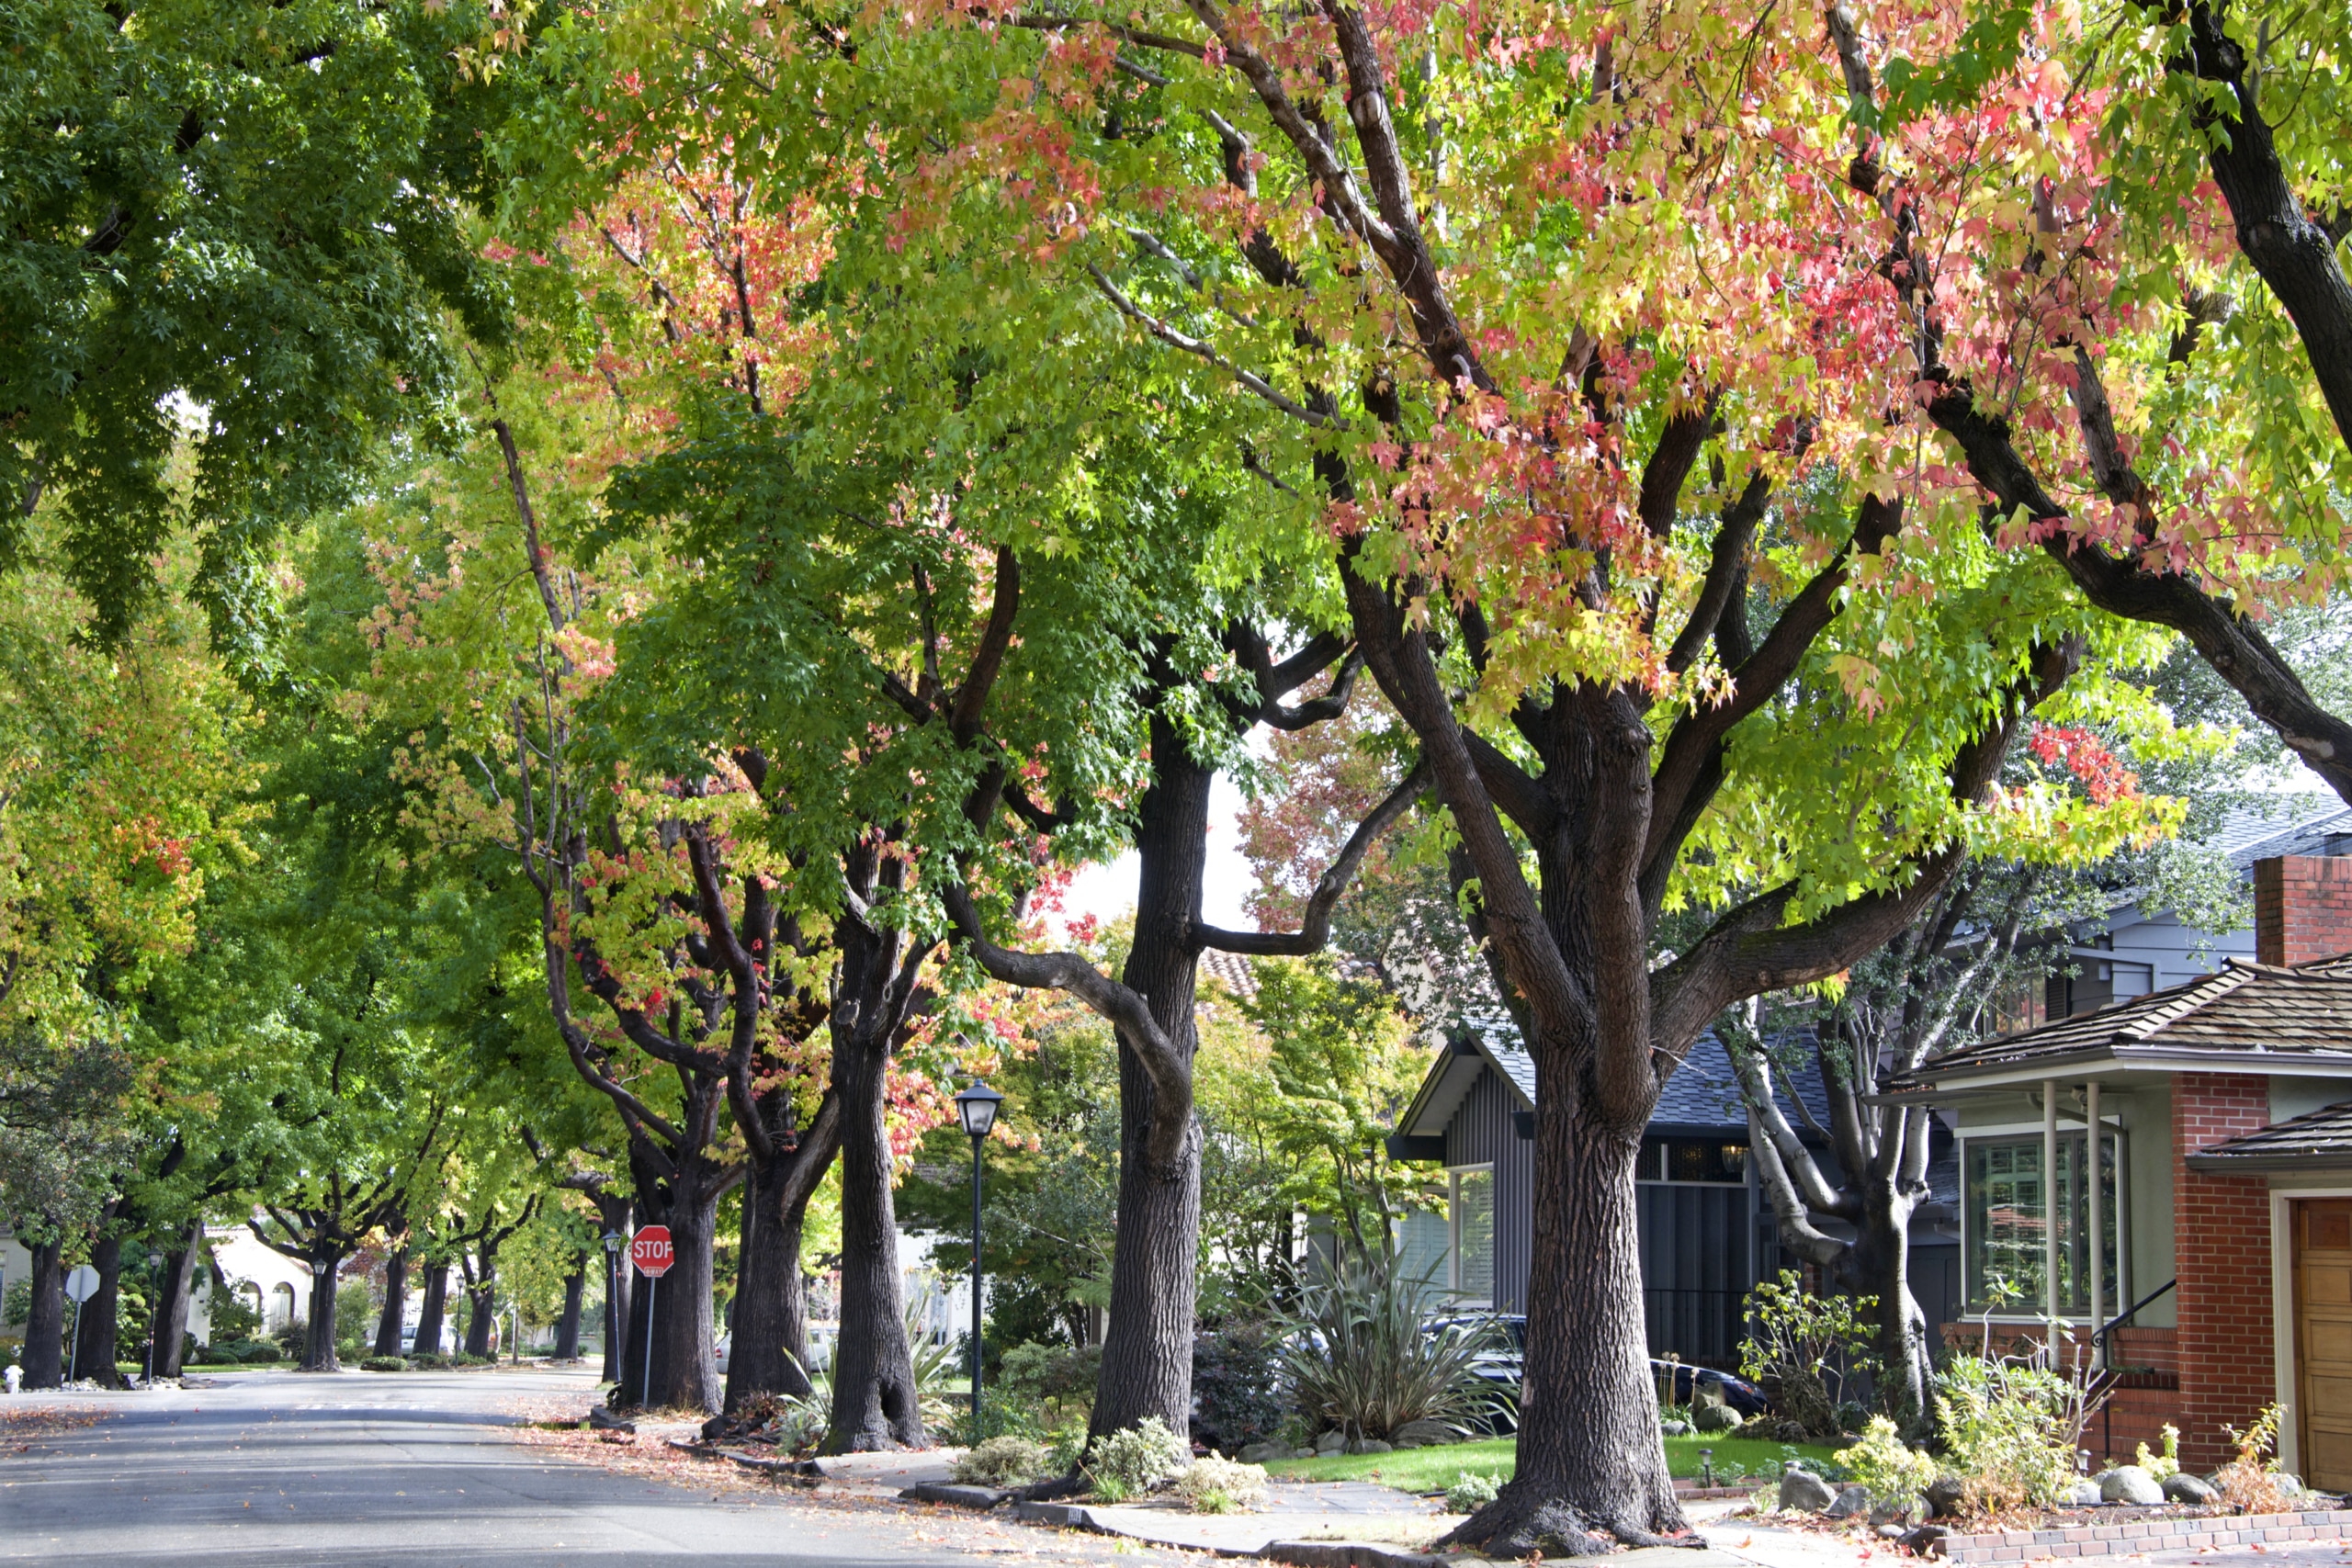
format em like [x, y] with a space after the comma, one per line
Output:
[977, 1108]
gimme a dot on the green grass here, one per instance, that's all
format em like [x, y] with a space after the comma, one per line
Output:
[1433, 1470]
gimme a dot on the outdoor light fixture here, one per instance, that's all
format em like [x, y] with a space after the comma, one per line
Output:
[613, 1337]
[977, 1105]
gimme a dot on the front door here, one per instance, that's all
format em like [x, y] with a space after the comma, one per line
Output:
[2324, 1340]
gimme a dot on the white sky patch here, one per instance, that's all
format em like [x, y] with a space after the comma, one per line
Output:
[1107, 891]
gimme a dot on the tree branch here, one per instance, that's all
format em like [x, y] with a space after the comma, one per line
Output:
[1315, 924]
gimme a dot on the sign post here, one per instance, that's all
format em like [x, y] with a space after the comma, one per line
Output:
[652, 1253]
[81, 1284]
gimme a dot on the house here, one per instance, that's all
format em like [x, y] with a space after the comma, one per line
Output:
[1707, 1234]
[2219, 1280]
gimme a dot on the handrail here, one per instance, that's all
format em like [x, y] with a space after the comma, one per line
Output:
[2116, 1322]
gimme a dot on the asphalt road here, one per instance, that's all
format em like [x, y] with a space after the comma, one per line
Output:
[364, 1468]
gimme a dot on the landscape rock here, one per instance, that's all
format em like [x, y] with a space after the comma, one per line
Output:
[2185, 1488]
[1851, 1501]
[1675, 1428]
[1714, 1418]
[603, 1420]
[2084, 1495]
[1331, 1443]
[1371, 1446]
[1804, 1492]
[2289, 1483]
[1890, 1532]
[1899, 1515]
[2130, 1484]
[1427, 1433]
[1259, 1453]
[1944, 1495]
[1926, 1541]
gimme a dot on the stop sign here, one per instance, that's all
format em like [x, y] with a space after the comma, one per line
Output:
[652, 1251]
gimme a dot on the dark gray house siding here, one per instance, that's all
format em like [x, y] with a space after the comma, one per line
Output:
[1482, 1132]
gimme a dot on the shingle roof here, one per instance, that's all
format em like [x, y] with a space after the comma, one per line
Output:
[2244, 1007]
[1703, 1092]
[2321, 1139]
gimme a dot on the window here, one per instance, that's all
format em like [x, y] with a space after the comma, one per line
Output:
[1473, 1211]
[2010, 1201]
[1425, 1248]
[1692, 1160]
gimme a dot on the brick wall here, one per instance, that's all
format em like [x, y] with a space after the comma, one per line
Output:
[2302, 908]
[2222, 1257]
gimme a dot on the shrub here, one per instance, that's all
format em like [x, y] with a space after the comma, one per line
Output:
[2251, 1480]
[1471, 1492]
[1236, 1386]
[2166, 1465]
[1135, 1460]
[430, 1361]
[2010, 1431]
[1002, 1414]
[290, 1341]
[1219, 1485]
[383, 1364]
[1801, 1349]
[1360, 1360]
[1893, 1472]
[1003, 1462]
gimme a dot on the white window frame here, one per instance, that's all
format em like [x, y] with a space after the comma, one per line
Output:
[2119, 1288]
[1454, 1175]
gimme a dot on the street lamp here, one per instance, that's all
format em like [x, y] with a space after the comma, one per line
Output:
[977, 1105]
[613, 1240]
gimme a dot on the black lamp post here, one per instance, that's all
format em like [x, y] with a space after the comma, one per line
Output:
[612, 1319]
[977, 1105]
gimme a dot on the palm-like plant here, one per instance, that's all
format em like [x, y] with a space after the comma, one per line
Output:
[1361, 1357]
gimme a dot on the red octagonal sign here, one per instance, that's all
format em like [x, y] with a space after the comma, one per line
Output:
[652, 1251]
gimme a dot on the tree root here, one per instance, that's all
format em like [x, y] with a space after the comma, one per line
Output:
[1514, 1527]
[1052, 1488]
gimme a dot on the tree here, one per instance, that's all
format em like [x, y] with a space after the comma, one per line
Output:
[64, 1142]
[236, 230]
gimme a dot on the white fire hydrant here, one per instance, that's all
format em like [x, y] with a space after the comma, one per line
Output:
[16, 1379]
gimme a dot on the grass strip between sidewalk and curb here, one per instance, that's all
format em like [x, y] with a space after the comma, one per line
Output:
[1435, 1468]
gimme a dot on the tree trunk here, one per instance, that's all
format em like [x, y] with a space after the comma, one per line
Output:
[769, 1353]
[170, 1317]
[1880, 1266]
[618, 1214]
[1147, 1350]
[1592, 1464]
[482, 1306]
[45, 1325]
[567, 1328]
[683, 1368]
[95, 1346]
[433, 1309]
[318, 1343]
[875, 1401]
[389, 1325]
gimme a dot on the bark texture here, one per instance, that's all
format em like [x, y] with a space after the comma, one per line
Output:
[394, 1316]
[682, 1372]
[45, 1322]
[95, 1348]
[433, 1309]
[318, 1338]
[566, 1328]
[176, 1289]
[877, 1404]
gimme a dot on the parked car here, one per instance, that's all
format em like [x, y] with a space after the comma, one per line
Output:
[1505, 1365]
[1738, 1392]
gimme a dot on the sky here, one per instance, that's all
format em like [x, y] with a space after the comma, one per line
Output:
[1107, 891]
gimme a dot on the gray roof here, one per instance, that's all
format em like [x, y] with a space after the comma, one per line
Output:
[1703, 1093]
[2317, 1140]
[2247, 1010]
[2292, 825]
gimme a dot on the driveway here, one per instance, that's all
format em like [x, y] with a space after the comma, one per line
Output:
[362, 1469]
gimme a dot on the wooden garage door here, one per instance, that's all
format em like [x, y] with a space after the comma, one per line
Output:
[2323, 1338]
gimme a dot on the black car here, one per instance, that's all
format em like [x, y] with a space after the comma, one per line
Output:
[1738, 1392]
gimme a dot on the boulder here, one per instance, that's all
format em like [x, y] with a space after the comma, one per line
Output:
[1705, 1393]
[1371, 1446]
[603, 1420]
[2130, 1484]
[1945, 1495]
[1804, 1492]
[2289, 1485]
[1424, 1434]
[1926, 1541]
[1331, 1443]
[1259, 1453]
[1889, 1532]
[1675, 1428]
[1851, 1501]
[2185, 1488]
[2084, 1495]
[1714, 1418]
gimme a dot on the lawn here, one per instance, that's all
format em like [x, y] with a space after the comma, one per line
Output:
[1433, 1470]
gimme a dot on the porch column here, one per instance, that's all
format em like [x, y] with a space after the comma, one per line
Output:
[2049, 1211]
[2098, 1227]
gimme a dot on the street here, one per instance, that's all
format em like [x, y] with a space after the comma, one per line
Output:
[361, 1469]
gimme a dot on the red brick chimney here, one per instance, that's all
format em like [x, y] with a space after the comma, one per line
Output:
[2302, 908]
